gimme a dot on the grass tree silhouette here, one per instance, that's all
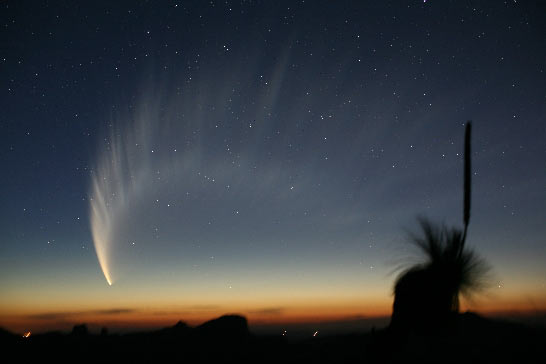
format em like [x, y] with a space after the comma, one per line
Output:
[426, 295]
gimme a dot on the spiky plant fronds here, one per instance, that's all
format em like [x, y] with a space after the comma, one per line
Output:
[461, 270]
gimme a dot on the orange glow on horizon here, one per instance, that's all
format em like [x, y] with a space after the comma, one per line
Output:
[161, 316]
[128, 308]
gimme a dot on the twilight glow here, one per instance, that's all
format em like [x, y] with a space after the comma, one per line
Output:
[261, 158]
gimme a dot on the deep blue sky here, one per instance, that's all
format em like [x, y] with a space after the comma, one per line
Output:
[293, 142]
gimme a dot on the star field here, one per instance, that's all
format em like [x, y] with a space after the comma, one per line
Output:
[266, 156]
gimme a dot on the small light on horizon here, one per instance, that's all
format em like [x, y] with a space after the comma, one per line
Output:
[26, 334]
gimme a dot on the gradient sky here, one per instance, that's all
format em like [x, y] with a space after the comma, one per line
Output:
[261, 157]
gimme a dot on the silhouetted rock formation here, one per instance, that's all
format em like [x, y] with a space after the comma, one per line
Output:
[227, 340]
[179, 329]
[7, 337]
[229, 327]
[80, 330]
[470, 339]
[180, 325]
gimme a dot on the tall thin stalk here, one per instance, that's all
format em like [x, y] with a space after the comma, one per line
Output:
[467, 181]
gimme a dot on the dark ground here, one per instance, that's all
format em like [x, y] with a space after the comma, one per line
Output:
[473, 339]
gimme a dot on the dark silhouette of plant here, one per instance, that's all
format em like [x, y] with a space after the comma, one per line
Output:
[427, 294]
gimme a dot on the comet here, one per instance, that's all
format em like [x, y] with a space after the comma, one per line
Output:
[112, 192]
[123, 180]
[104, 206]
[152, 153]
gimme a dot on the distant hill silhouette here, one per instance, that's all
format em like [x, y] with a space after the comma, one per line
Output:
[80, 330]
[470, 339]
[180, 329]
[228, 340]
[228, 327]
[7, 337]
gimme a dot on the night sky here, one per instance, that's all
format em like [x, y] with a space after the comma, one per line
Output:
[264, 158]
